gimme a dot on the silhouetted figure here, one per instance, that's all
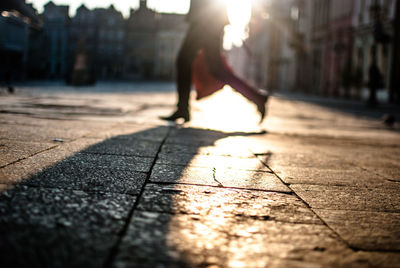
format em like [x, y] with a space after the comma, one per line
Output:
[375, 79]
[207, 19]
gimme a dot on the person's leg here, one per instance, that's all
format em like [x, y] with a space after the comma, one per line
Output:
[219, 70]
[186, 56]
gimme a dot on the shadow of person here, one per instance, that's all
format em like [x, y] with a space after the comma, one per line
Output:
[97, 207]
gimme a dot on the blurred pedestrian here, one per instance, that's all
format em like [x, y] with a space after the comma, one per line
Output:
[207, 19]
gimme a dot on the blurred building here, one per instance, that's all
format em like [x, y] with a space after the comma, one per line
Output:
[170, 33]
[83, 39]
[364, 38]
[152, 43]
[140, 45]
[14, 44]
[55, 40]
[110, 56]
[336, 79]
[271, 62]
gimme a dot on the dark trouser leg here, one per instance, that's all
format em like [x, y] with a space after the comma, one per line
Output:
[186, 56]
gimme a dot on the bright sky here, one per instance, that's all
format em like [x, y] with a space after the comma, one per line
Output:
[173, 6]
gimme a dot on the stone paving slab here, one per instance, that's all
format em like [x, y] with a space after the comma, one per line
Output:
[349, 198]
[186, 240]
[203, 200]
[12, 151]
[212, 161]
[37, 134]
[365, 230]
[279, 161]
[356, 177]
[67, 175]
[126, 147]
[132, 131]
[182, 174]
[224, 150]
[195, 137]
[58, 227]
[71, 202]
[31, 166]
[115, 162]
[235, 178]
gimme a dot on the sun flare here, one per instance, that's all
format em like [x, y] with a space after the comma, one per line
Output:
[239, 14]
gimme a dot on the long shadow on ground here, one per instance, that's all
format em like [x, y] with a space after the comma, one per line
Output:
[75, 213]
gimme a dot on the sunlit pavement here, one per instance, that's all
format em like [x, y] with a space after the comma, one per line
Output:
[90, 177]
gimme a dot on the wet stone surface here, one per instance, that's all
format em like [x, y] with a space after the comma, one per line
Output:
[58, 227]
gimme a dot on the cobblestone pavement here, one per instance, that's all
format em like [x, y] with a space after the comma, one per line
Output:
[94, 179]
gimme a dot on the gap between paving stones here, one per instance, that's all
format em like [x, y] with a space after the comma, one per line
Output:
[310, 208]
[114, 250]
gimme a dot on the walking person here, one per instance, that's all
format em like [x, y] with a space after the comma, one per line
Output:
[207, 19]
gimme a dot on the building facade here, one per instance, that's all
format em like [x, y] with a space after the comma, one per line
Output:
[55, 40]
[364, 39]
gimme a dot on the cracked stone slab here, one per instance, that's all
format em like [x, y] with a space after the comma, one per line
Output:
[69, 175]
[250, 180]
[212, 161]
[227, 177]
[125, 146]
[223, 150]
[58, 227]
[12, 151]
[349, 198]
[190, 241]
[202, 201]
[356, 177]
[365, 230]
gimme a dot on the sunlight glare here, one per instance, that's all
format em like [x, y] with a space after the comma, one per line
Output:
[226, 111]
[239, 14]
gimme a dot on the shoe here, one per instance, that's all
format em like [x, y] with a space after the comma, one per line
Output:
[261, 107]
[185, 115]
